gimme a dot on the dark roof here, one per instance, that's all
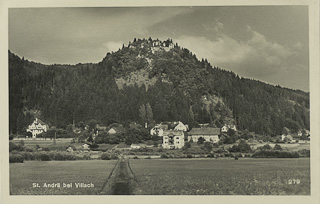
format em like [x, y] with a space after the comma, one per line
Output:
[205, 131]
[40, 122]
[173, 133]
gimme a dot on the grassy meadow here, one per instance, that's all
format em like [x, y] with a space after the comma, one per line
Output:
[245, 176]
[23, 175]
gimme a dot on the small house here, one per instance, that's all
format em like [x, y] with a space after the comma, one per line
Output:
[287, 138]
[85, 147]
[135, 146]
[156, 130]
[173, 139]
[112, 131]
[70, 149]
[37, 127]
[181, 126]
[101, 127]
[226, 128]
[209, 134]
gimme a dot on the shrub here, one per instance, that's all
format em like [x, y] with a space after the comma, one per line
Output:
[160, 150]
[265, 147]
[211, 155]
[44, 157]
[114, 156]
[187, 145]
[16, 158]
[86, 157]
[21, 142]
[27, 149]
[304, 153]
[277, 147]
[164, 156]
[236, 157]
[208, 146]
[219, 151]
[30, 156]
[135, 157]
[70, 157]
[201, 140]
[189, 156]
[94, 146]
[105, 156]
[148, 157]
[13, 146]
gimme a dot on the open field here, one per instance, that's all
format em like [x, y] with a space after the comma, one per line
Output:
[222, 176]
[23, 175]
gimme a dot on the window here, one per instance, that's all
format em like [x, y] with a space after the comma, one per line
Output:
[177, 138]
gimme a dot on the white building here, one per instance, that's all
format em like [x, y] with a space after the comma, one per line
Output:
[226, 127]
[37, 127]
[157, 130]
[181, 127]
[112, 131]
[173, 139]
[209, 134]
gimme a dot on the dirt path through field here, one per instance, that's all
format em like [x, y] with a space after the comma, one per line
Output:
[121, 181]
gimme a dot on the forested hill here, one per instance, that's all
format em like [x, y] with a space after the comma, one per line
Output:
[150, 80]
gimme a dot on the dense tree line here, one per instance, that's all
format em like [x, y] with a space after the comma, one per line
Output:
[72, 93]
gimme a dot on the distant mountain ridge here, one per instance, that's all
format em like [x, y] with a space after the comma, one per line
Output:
[176, 85]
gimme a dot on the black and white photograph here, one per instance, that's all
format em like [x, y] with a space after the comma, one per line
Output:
[162, 100]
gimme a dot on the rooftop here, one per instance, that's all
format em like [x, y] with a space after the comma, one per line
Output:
[205, 131]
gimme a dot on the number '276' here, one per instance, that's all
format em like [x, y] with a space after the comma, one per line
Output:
[293, 181]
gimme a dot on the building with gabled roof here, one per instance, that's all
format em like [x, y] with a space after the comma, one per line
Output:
[181, 126]
[37, 127]
[209, 134]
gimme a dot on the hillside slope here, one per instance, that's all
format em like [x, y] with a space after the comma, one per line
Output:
[171, 79]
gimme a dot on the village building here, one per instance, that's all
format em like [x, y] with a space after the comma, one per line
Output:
[209, 134]
[112, 131]
[135, 146]
[226, 128]
[37, 127]
[85, 147]
[100, 128]
[287, 138]
[181, 126]
[156, 130]
[204, 125]
[70, 149]
[173, 139]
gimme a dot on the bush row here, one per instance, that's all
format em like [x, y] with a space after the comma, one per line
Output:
[46, 156]
[275, 154]
[108, 156]
[16, 158]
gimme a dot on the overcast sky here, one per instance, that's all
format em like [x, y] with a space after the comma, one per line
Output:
[267, 43]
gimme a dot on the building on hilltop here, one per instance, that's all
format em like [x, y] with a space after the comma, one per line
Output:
[173, 139]
[209, 134]
[37, 127]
